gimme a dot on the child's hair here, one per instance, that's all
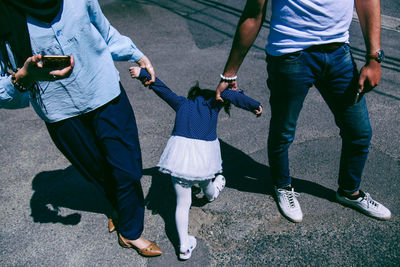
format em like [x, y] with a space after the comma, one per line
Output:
[196, 91]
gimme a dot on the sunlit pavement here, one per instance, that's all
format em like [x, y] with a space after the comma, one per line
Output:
[52, 217]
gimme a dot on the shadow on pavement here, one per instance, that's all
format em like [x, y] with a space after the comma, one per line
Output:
[68, 189]
[210, 22]
[161, 200]
[245, 174]
[241, 172]
[64, 189]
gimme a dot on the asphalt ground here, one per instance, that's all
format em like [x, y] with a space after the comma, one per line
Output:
[50, 216]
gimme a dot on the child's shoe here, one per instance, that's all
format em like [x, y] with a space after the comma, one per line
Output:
[219, 184]
[186, 252]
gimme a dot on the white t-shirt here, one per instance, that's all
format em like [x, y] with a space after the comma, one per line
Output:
[298, 24]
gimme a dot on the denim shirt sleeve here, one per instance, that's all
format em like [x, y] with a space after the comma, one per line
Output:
[121, 47]
[10, 97]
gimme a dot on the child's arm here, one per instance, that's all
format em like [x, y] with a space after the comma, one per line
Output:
[158, 87]
[242, 101]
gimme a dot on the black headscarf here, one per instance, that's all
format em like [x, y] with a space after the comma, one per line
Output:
[13, 27]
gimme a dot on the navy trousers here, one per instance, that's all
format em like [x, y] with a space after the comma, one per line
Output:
[104, 146]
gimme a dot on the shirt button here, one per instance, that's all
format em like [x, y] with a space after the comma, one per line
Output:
[58, 32]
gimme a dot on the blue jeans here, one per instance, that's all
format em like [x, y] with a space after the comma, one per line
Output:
[335, 76]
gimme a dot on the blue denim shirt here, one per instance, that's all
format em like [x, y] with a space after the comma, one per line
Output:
[80, 30]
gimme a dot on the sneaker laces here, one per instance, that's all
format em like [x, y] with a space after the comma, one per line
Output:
[290, 195]
[369, 201]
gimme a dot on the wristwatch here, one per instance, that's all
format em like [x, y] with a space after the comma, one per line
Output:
[379, 56]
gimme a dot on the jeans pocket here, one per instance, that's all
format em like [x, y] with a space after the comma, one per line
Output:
[291, 57]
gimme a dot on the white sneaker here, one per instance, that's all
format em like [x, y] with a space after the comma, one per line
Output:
[288, 204]
[219, 185]
[366, 205]
[186, 252]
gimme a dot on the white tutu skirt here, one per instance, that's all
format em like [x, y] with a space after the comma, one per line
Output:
[191, 159]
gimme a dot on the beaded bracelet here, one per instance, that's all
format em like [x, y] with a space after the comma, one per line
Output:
[228, 79]
[17, 85]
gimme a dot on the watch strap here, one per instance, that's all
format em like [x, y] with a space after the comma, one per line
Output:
[378, 56]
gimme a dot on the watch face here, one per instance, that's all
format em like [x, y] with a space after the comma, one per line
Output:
[378, 56]
[381, 55]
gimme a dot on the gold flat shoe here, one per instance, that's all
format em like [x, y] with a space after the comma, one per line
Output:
[151, 250]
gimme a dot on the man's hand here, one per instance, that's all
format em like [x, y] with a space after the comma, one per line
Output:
[369, 14]
[144, 62]
[223, 85]
[370, 76]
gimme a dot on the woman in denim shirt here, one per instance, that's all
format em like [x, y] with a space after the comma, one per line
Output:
[84, 105]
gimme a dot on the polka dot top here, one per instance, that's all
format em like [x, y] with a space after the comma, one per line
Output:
[198, 118]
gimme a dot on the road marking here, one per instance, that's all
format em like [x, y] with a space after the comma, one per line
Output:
[387, 22]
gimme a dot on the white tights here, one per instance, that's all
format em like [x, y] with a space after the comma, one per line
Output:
[183, 203]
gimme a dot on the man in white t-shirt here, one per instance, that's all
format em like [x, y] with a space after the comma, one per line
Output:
[308, 45]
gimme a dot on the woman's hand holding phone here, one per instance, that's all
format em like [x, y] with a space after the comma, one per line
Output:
[33, 70]
[64, 72]
[55, 62]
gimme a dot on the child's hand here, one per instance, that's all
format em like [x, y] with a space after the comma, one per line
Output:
[258, 111]
[145, 63]
[135, 72]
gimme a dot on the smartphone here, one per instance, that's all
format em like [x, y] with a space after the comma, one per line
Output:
[56, 62]
[357, 97]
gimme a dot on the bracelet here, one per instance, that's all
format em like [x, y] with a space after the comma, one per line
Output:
[17, 85]
[228, 79]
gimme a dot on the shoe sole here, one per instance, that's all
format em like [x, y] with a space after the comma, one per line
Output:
[361, 210]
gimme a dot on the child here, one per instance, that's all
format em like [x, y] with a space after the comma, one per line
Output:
[192, 155]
